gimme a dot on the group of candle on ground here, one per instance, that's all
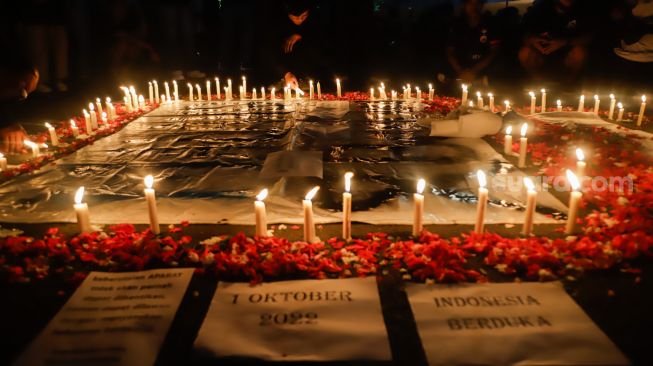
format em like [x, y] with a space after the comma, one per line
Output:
[83, 216]
[533, 105]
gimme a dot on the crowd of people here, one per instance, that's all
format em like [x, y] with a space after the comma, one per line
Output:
[50, 45]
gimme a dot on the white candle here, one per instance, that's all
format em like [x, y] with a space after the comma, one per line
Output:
[346, 207]
[190, 92]
[543, 91]
[254, 96]
[110, 108]
[310, 89]
[319, 90]
[491, 97]
[134, 97]
[244, 83]
[620, 116]
[523, 143]
[597, 103]
[338, 88]
[54, 139]
[418, 213]
[531, 200]
[393, 94]
[150, 198]
[34, 147]
[506, 103]
[208, 90]
[3, 162]
[481, 205]
[157, 99]
[98, 104]
[217, 88]
[230, 91]
[260, 214]
[88, 125]
[642, 109]
[166, 86]
[263, 93]
[273, 94]
[74, 129]
[507, 141]
[431, 92]
[559, 105]
[199, 92]
[104, 118]
[93, 115]
[176, 89]
[613, 103]
[127, 99]
[226, 93]
[574, 202]
[141, 102]
[309, 224]
[580, 164]
[371, 93]
[150, 90]
[479, 99]
[418, 93]
[464, 97]
[581, 104]
[82, 213]
[533, 102]
[241, 93]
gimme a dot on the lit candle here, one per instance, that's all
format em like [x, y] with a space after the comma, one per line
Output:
[3, 162]
[54, 139]
[199, 92]
[73, 127]
[87, 120]
[260, 214]
[263, 93]
[531, 200]
[479, 99]
[418, 93]
[418, 215]
[431, 92]
[481, 205]
[310, 89]
[319, 90]
[597, 103]
[110, 108]
[273, 94]
[613, 103]
[98, 104]
[241, 93]
[491, 97]
[226, 93]
[371, 93]
[175, 87]
[34, 147]
[128, 106]
[642, 109]
[393, 95]
[574, 202]
[559, 104]
[464, 97]
[507, 141]
[346, 207]
[338, 88]
[533, 101]
[309, 224]
[150, 198]
[166, 87]
[93, 115]
[82, 213]
[620, 116]
[523, 143]
[244, 83]
[217, 88]
[141, 102]
[254, 96]
[580, 164]
[581, 104]
[104, 117]
[208, 90]
[230, 90]
[134, 97]
[507, 104]
[543, 91]
[157, 99]
[190, 92]
[150, 90]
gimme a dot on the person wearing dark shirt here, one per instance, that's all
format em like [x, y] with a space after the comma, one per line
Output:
[555, 33]
[301, 43]
[471, 45]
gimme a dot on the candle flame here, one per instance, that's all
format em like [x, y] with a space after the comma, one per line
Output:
[582, 97]
[262, 195]
[338, 81]
[91, 107]
[507, 103]
[531, 94]
[620, 105]
[79, 195]
[543, 90]
[509, 130]
[312, 193]
[643, 98]
[421, 184]
[611, 96]
[72, 123]
[29, 143]
[104, 115]
[430, 86]
[154, 81]
[490, 95]
[559, 102]
[149, 181]
[530, 186]
[348, 177]
[48, 125]
[299, 91]
[471, 104]
[478, 94]
[464, 87]
[141, 99]
[482, 180]
[573, 180]
[596, 97]
[524, 128]
[580, 154]
[108, 100]
[2, 155]
[97, 100]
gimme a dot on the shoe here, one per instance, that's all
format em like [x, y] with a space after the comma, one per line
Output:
[196, 74]
[62, 87]
[43, 88]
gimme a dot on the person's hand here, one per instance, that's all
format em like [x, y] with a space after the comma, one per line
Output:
[28, 82]
[290, 43]
[553, 46]
[467, 76]
[539, 43]
[12, 138]
[291, 80]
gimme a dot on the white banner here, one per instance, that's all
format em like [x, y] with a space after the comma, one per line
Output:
[112, 319]
[310, 320]
[507, 323]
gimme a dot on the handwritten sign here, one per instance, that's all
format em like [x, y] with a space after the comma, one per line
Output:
[507, 323]
[112, 319]
[312, 320]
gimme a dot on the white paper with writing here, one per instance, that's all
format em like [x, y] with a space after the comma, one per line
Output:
[112, 319]
[507, 323]
[311, 320]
